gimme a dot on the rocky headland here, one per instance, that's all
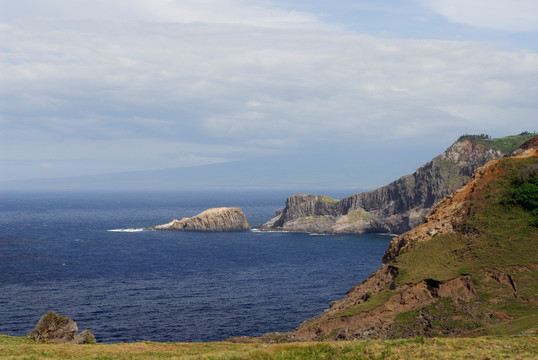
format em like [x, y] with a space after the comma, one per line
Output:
[400, 205]
[470, 269]
[214, 219]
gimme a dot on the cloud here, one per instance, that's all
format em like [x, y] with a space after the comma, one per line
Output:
[239, 82]
[240, 90]
[252, 12]
[515, 15]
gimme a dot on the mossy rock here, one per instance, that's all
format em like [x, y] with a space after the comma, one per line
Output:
[56, 328]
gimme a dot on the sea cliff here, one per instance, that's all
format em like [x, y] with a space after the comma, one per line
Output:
[400, 205]
[469, 269]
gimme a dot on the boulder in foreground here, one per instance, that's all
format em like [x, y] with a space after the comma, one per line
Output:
[215, 219]
[56, 328]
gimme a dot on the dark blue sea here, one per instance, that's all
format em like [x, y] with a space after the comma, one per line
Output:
[57, 254]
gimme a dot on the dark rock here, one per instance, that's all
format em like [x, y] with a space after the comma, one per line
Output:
[56, 328]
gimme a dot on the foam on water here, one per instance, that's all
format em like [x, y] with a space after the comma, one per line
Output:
[127, 230]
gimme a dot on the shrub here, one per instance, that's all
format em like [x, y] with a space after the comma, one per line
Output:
[526, 194]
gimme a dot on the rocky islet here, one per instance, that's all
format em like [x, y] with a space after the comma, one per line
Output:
[214, 219]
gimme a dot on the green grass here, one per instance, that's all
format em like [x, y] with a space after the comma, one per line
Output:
[497, 247]
[445, 315]
[527, 282]
[438, 259]
[503, 239]
[359, 214]
[526, 324]
[504, 144]
[525, 193]
[327, 199]
[492, 347]
[373, 302]
[306, 219]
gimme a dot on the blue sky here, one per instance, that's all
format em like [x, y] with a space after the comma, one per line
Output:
[92, 87]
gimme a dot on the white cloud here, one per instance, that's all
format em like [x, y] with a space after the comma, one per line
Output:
[172, 79]
[514, 15]
[90, 87]
[251, 12]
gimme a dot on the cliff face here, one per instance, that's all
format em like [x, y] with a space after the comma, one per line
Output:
[215, 219]
[470, 268]
[398, 206]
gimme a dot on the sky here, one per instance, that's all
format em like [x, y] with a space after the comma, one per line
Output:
[103, 86]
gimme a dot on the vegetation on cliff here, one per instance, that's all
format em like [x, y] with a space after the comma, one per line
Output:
[525, 193]
[400, 205]
[504, 144]
[471, 268]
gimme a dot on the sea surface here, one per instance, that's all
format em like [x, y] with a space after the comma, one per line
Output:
[58, 253]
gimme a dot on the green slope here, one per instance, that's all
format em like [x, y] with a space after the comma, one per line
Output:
[470, 269]
[501, 242]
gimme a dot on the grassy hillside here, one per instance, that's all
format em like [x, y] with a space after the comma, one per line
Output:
[498, 249]
[470, 269]
[522, 347]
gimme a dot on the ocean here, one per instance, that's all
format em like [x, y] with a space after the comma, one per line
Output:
[58, 253]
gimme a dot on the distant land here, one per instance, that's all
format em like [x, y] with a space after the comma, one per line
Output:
[317, 169]
[311, 170]
[274, 172]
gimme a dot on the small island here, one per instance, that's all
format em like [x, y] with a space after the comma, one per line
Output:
[214, 219]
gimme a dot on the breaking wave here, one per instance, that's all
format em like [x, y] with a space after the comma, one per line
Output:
[128, 230]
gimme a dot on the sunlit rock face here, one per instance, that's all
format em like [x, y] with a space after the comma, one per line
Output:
[215, 219]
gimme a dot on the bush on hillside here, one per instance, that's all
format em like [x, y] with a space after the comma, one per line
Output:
[526, 194]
